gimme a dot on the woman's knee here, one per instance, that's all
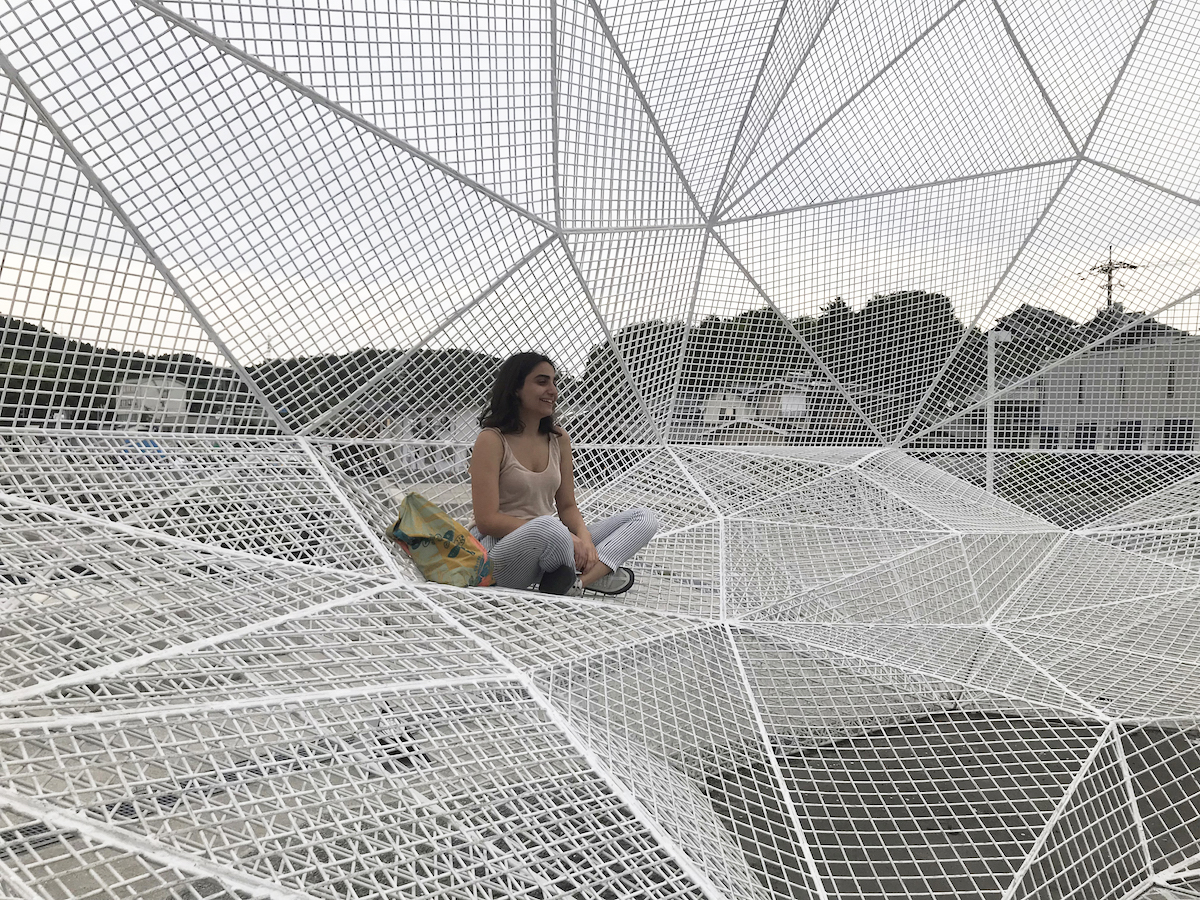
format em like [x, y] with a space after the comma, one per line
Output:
[549, 525]
[555, 539]
[646, 519]
[552, 532]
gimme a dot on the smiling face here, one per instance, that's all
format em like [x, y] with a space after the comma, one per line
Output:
[539, 394]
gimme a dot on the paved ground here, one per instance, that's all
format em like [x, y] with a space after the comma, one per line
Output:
[950, 806]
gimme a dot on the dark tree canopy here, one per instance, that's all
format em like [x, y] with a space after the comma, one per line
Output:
[43, 374]
[905, 354]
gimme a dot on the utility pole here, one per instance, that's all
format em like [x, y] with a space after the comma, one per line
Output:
[1107, 270]
[993, 337]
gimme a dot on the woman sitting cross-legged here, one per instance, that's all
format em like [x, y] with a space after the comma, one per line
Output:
[523, 491]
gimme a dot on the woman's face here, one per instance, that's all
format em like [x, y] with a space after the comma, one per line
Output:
[539, 393]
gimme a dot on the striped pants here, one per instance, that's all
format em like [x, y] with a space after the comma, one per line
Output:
[544, 544]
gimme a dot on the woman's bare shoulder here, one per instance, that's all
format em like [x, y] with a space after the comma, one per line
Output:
[565, 451]
[489, 439]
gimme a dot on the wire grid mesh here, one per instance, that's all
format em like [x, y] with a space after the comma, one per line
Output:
[1097, 827]
[538, 635]
[767, 560]
[1171, 502]
[257, 264]
[1075, 490]
[951, 503]
[964, 662]
[62, 863]
[1161, 529]
[643, 283]
[1081, 574]
[680, 765]
[874, 761]
[343, 646]
[1115, 667]
[735, 480]
[661, 44]
[81, 596]
[1164, 787]
[828, 161]
[970, 832]
[377, 61]
[884, 310]
[930, 584]
[301, 794]
[1000, 563]
[841, 498]
[267, 497]
[70, 265]
[612, 168]
[1157, 892]
[659, 483]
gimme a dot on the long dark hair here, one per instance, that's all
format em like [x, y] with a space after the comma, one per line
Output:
[504, 410]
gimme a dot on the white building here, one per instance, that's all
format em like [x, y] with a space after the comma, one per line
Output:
[432, 443]
[724, 406]
[780, 402]
[162, 403]
[1142, 397]
[150, 402]
[772, 412]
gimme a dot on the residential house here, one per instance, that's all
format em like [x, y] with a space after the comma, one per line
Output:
[1127, 398]
[151, 403]
[164, 403]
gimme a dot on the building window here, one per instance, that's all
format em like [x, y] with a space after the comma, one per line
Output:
[1171, 379]
[1126, 437]
[1178, 434]
[1047, 437]
[1121, 381]
[1079, 394]
[1085, 435]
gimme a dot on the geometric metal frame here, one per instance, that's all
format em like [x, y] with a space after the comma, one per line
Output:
[260, 264]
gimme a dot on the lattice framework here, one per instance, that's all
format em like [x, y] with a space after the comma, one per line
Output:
[920, 617]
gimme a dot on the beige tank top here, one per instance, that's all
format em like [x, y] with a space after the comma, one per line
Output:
[527, 494]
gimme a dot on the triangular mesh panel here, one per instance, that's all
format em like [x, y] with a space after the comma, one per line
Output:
[828, 54]
[415, 72]
[885, 312]
[950, 102]
[1096, 828]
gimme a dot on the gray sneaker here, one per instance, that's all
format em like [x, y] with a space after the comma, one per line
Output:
[617, 582]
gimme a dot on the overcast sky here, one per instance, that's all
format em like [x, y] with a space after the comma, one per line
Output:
[951, 147]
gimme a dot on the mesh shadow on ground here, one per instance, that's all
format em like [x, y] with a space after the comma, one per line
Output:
[951, 805]
[827, 647]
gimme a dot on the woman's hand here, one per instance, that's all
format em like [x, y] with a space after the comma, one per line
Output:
[585, 553]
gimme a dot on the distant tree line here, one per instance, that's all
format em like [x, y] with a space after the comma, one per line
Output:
[393, 382]
[887, 355]
[45, 377]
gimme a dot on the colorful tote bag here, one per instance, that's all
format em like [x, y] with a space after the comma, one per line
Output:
[439, 546]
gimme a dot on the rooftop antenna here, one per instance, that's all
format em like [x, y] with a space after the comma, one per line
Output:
[1107, 269]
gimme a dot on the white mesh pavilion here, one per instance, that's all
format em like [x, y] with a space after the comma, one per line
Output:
[886, 310]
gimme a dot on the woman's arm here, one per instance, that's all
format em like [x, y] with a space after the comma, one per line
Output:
[485, 487]
[568, 509]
